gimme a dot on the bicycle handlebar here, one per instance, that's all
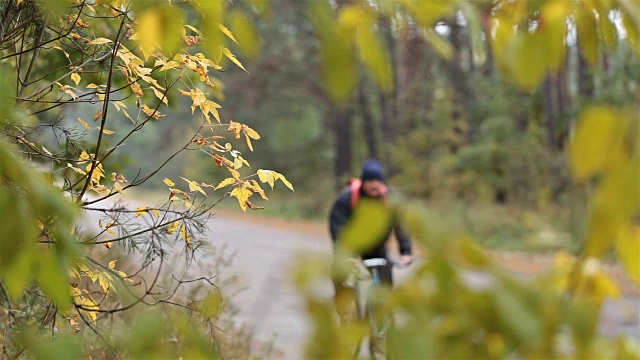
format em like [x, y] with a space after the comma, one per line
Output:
[382, 262]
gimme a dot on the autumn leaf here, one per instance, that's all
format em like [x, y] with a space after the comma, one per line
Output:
[225, 182]
[185, 235]
[141, 210]
[118, 187]
[253, 207]
[242, 194]
[172, 227]
[193, 29]
[76, 78]
[112, 264]
[255, 187]
[100, 41]
[193, 186]
[266, 176]
[269, 176]
[234, 173]
[84, 123]
[233, 58]
[283, 179]
[168, 182]
[160, 95]
[227, 33]
[220, 160]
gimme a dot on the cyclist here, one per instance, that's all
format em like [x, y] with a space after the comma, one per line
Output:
[371, 186]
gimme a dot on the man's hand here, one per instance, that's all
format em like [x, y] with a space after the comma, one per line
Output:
[405, 260]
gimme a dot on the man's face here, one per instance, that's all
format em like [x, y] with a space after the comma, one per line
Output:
[373, 188]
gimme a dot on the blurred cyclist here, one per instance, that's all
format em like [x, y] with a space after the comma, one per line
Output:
[370, 188]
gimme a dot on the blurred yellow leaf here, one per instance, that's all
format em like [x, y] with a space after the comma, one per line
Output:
[339, 67]
[596, 143]
[173, 227]
[246, 32]
[141, 210]
[185, 235]
[588, 36]
[628, 249]
[370, 221]
[528, 60]
[438, 43]
[112, 264]
[168, 182]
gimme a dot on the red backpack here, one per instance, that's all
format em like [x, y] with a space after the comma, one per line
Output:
[355, 184]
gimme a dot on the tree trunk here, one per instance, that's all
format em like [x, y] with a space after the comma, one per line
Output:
[455, 80]
[585, 78]
[548, 109]
[564, 103]
[388, 101]
[343, 131]
[368, 126]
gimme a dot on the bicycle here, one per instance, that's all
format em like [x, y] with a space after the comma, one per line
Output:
[369, 311]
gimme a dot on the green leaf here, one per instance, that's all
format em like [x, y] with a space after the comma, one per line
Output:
[53, 279]
[517, 319]
[63, 347]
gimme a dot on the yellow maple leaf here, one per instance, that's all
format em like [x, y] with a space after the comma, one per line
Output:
[242, 194]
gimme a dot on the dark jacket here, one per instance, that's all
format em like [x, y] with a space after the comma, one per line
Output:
[340, 215]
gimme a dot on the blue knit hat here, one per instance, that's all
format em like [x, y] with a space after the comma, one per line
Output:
[372, 170]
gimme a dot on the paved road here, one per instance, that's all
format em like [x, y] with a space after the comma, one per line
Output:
[265, 257]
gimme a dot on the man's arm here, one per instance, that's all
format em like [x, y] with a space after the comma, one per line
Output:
[404, 244]
[340, 213]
